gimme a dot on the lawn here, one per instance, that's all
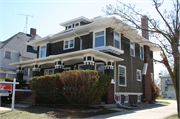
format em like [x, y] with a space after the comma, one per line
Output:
[43, 113]
[165, 98]
[163, 102]
[175, 116]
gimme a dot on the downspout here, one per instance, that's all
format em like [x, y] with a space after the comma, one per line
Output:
[79, 38]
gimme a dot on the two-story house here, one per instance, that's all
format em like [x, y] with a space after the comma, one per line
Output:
[15, 49]
[99, 44]
[167, 87]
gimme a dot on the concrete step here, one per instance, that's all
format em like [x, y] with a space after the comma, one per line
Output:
[103, 103]
[108, 105]
[19, 105]
[24, 102]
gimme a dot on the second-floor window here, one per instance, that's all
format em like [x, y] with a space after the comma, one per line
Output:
[141, 52]
[99, 39]
[117, 42]
[42, 51]
[7, 54]
[132, 49]
[68, 44]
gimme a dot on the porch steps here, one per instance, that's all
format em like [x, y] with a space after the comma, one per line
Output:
[26, 101]
[108, 105]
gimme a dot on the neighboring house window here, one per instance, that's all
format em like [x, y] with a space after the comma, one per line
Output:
[118, 98]
[42, 52]
[117, 42]
[141, 52]
[99, 39]
[122, 75]
[48, 71]
[81, 67]
[68, 44]
[144, 68]
[7, 54]
[138, 74]
[132, 49]
[166, 88]
[152, 77]
[99, 67]
[126, 99]
[138, 98]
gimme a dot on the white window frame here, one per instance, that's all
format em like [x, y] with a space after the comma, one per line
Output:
[99, 63]
[119, 39]
[70, 25]
[5, 54]
[140, 52]
[48, 71]
[126, 101]
[119, 98]
[94, 32]
[40, 50]
[134, 48]
[80, 65]
[140, 75]
[138, 98]
[69, 44]
[152, 77]
[77, 26]
[125, 75]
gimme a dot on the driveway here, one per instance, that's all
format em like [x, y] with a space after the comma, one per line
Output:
[159, 112]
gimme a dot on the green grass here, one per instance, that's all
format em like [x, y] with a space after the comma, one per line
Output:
[166, 98]
[46, 113]
[175, 116]
[163, 102]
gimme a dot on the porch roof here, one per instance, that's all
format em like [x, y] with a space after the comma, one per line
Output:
[69, 56]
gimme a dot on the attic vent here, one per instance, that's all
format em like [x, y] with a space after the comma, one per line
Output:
[144, 68]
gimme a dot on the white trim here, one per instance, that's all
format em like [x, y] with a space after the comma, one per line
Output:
[140, 52]
[127, 93]
[137, 70]
[22, 90]
[40, 50]
[152, 77]
[94, 32]
[69, 44]
[48, 71]
[78, 25]
[144, 68]
[125, 75]
[119, 39]
[110, 49]
[127, 98]
[134, 48]
[68, 26]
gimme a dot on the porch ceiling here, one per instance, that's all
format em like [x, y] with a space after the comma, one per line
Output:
[68, 57]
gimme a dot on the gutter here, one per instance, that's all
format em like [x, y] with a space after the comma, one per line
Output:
[79, 38]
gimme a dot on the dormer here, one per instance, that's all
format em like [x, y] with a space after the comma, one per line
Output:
[74, 23]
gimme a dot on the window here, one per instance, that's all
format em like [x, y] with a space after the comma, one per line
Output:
[99, 39]
[126, 99]
[117, 42]
[69, 27]
[138, 74]
[118, 98]
[122, 75]
[68, 44]
[7, 54]
[152, 77]
[145, 68]
[81, 67]
[141, 52]
[138, 98]
[166, 88]
[132, 49]
[76, 25]
[42, 52]
[99, 67]
[48, 71]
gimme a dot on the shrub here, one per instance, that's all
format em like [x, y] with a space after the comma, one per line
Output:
[85, 86]
[155, 91]
[47, 88]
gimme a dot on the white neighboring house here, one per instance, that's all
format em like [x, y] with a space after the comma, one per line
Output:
[15, 49]
[167, 86]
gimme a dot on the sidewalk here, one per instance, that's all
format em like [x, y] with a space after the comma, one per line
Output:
[148, 113]
[5, 108]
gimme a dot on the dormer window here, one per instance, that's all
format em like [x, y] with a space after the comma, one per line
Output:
[69, 27]
[76, 24]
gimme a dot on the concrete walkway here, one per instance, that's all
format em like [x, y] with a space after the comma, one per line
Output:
[159, 112]
[5, 108]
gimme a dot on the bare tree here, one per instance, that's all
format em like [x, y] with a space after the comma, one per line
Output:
[165, 31]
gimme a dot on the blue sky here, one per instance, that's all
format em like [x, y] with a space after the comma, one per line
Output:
[49, 13]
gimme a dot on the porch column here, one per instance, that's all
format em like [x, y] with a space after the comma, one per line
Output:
[88, 62]
[19, 73]
[59, 67]
[108, 98]
[36, 70]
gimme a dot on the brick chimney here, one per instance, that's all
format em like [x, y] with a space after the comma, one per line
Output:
[33, 31]
[144, 25]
